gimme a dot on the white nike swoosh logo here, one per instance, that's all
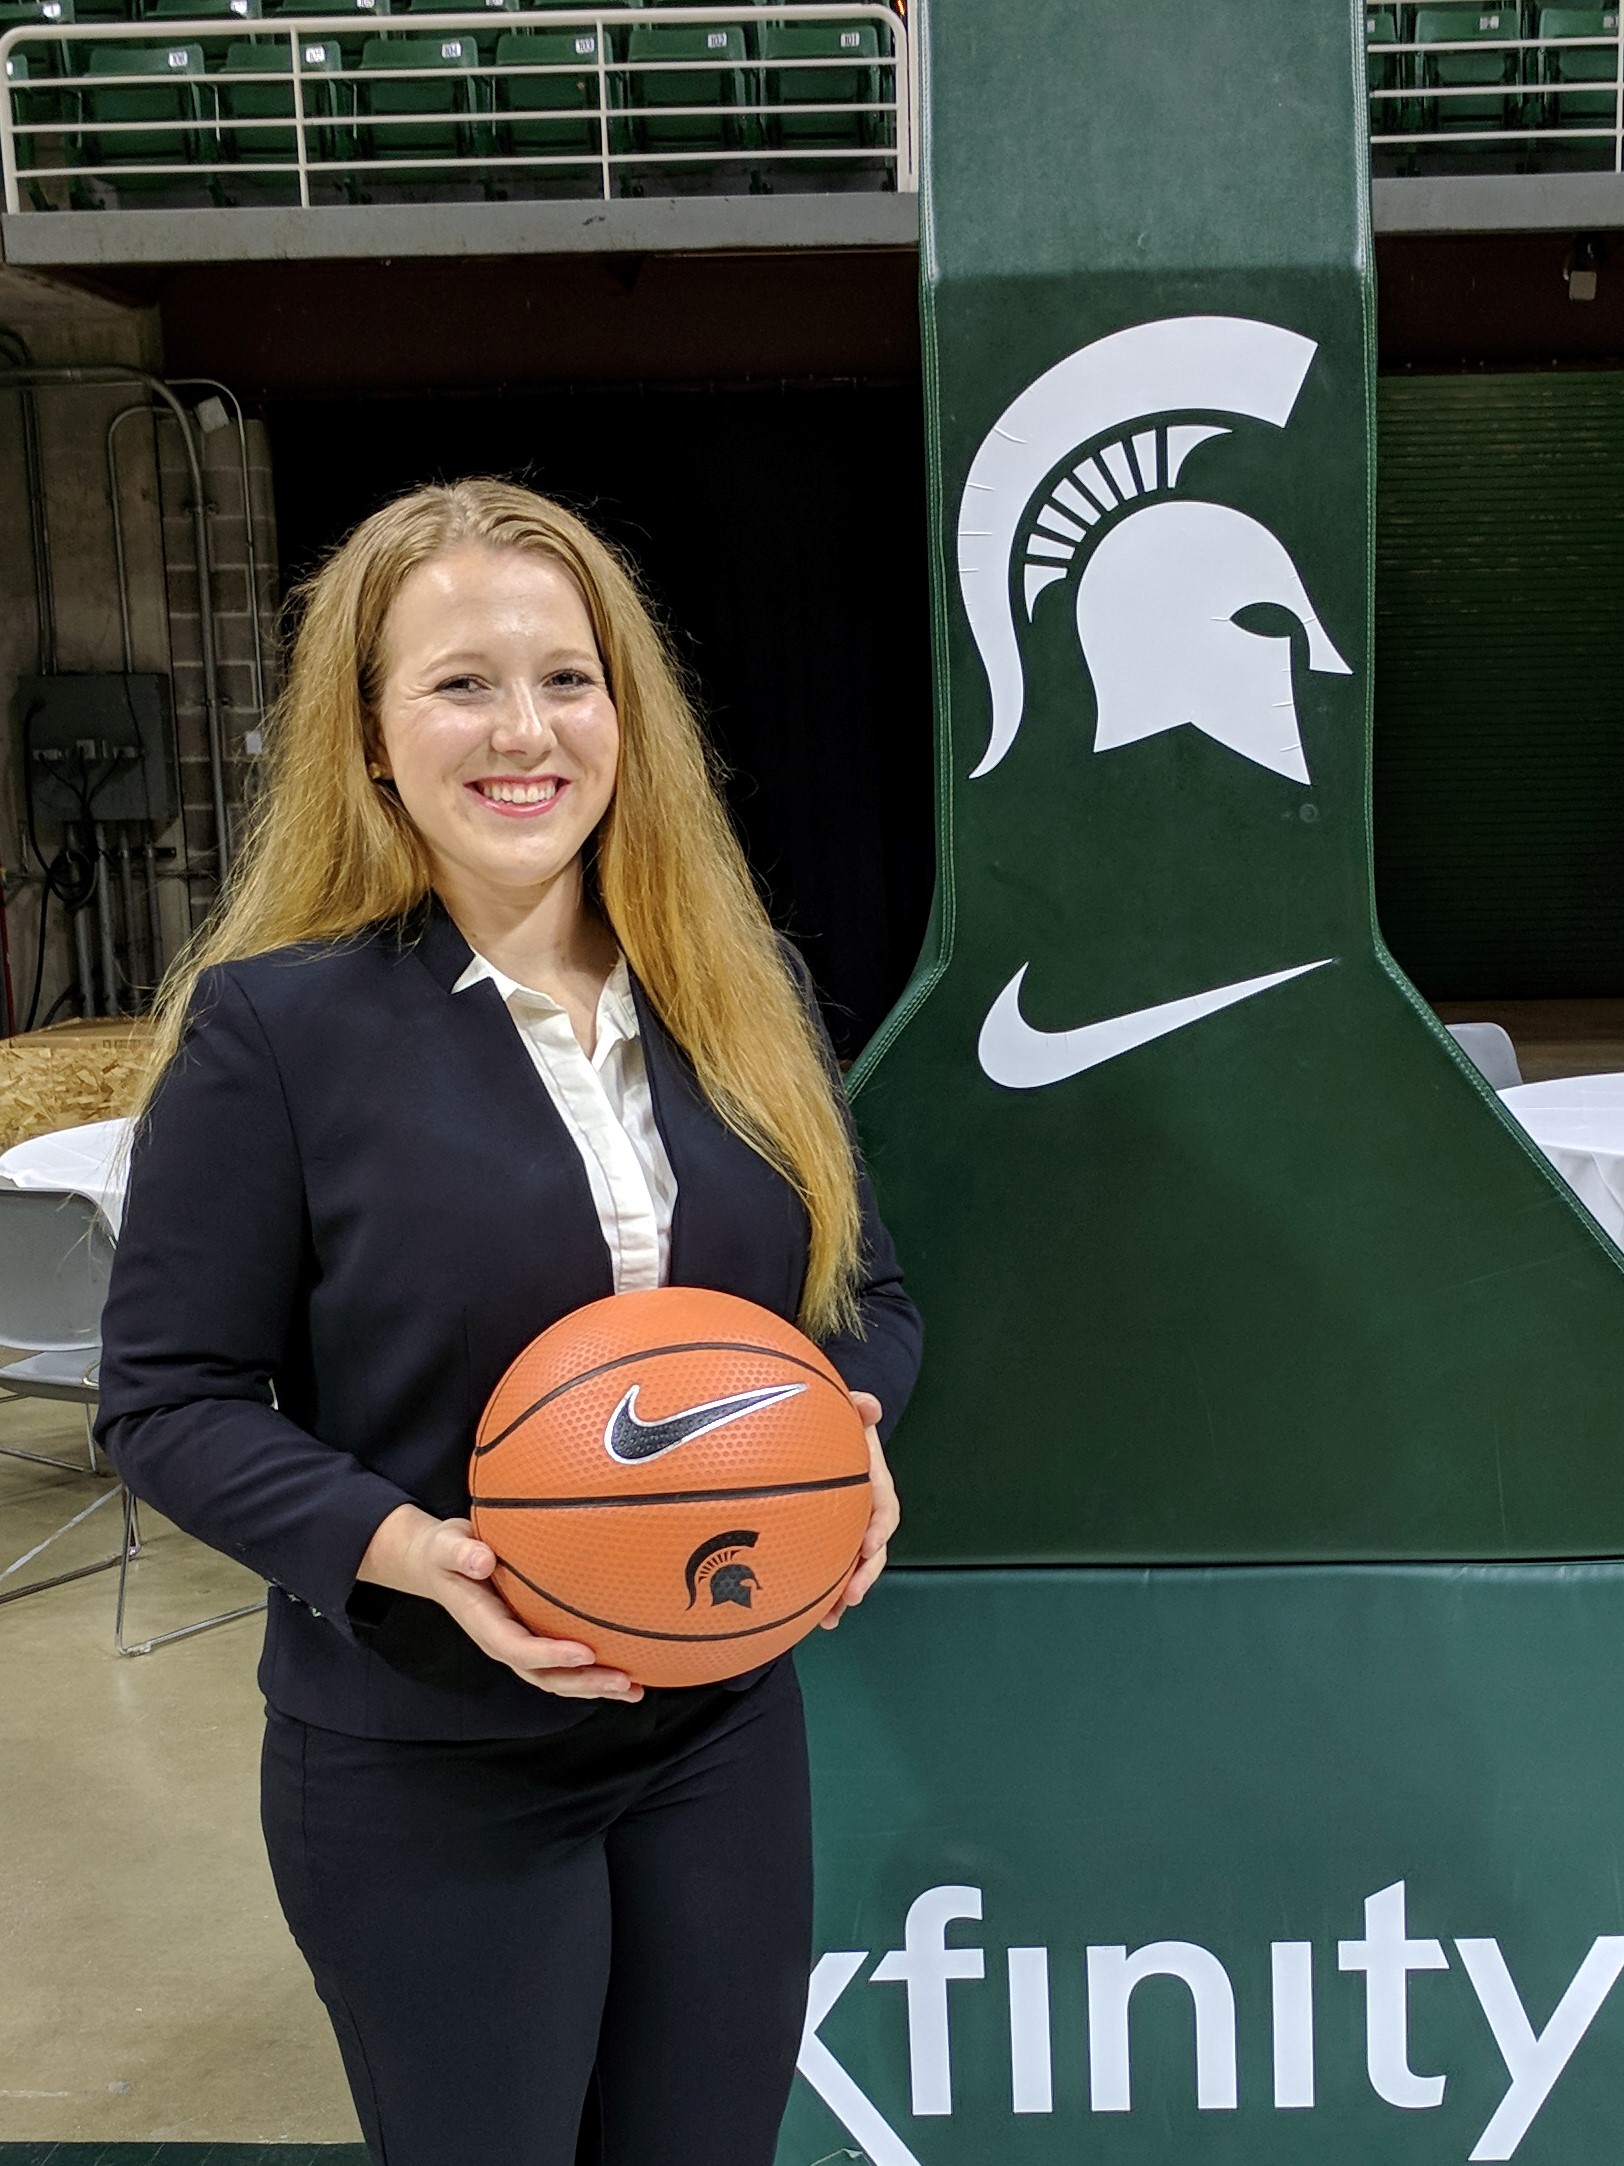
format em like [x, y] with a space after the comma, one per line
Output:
[630, 1439]
[1023, 1059]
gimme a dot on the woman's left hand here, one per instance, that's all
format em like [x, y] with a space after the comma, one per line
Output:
[883, 1519]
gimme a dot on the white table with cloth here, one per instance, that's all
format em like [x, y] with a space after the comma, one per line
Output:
[1578, 1122]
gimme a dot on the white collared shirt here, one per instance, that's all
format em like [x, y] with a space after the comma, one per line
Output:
[606, 1105]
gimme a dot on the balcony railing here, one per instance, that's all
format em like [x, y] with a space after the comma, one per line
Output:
[497, 100]
[490, 102]
[1494, 99]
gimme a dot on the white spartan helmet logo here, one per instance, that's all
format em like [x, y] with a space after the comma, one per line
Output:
[1163, 576]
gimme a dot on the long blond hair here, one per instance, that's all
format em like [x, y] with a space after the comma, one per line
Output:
[328, 852]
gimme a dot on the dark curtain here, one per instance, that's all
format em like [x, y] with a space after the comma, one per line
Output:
[1499, 744]
[782, 533]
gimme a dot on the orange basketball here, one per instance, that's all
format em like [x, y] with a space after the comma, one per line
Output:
[677, 1478]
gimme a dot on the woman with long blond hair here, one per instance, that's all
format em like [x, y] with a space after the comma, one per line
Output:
[490, 1024]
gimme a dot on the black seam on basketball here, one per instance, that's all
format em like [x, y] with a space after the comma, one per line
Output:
[649, 1353]
[666, 1496]
[680, 1639]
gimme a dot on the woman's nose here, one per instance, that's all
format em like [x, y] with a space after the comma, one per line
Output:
[521, 723]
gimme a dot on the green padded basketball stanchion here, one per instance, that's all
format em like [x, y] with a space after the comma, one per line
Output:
[1257, 1866]
[1161, 1845]
[1224, 1250]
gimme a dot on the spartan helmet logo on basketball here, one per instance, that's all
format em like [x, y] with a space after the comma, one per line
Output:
[716, 1565]
[1083, 475]
[732, 1583]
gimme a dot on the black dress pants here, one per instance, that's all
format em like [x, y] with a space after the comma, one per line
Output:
[588, 1949]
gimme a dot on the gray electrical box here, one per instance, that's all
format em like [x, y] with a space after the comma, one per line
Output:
[106, 740]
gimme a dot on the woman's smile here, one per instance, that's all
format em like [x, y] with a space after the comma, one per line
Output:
[519, 797]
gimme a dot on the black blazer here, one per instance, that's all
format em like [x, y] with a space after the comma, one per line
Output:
[352, 1204]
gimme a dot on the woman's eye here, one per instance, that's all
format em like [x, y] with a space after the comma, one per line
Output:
[569, 680]
[458, 684]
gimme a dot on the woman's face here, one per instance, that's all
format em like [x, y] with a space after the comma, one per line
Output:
[494, 718]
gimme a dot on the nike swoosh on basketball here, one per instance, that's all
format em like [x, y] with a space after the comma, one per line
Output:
[1022, 1058]
[630, 1439]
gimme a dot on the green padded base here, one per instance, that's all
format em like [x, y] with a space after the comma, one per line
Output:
[1234, 1761]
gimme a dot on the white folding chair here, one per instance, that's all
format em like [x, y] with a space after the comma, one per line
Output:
[1489, 1048]
[55, 1256]
[128, 1555]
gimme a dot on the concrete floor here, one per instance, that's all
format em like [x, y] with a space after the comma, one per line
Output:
[182, 2154]
[148, 1987]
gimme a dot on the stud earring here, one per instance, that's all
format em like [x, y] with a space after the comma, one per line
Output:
[377, 773]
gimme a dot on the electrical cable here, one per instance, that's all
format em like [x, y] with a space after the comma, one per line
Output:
[16, 347]
[5, 964]
[58, 872]
[39, 955]
[86, 790]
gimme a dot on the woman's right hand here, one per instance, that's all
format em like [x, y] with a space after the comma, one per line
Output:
[444, 1561]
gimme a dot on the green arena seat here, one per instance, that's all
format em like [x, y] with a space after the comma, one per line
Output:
[319, 58]
[46, 57]
[488, 29]
[1387, 72]
[549, 116]
[1583, 64]
[1457, 72]
[22, 68]
[164, 86]
[1381, 28]
[365, 13]
[800, 96]
[203, 11]
[46, 107]
[654, 87]
[1382, 71]
[431, 113]
[362, 9]
[14, 13]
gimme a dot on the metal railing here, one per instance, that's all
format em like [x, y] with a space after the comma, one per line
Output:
[622, 124]
[1540, 106]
